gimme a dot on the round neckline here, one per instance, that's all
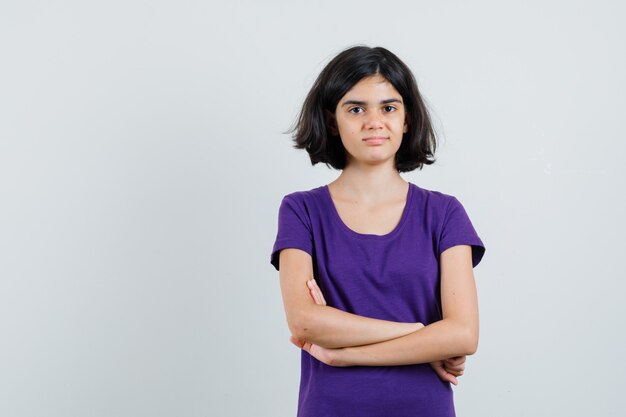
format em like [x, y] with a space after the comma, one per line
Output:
[395, 231]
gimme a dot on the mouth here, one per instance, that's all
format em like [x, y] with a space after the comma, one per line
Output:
[375, 140]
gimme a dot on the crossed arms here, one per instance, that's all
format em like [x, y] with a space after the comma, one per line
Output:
[340, 338]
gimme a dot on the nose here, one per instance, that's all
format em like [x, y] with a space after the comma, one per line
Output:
[373, 121]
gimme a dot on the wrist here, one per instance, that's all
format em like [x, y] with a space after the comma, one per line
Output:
[340, 357]
[408, 328]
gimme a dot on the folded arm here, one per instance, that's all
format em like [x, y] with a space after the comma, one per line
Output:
[455, 335]
[448, 370]
[323, 325]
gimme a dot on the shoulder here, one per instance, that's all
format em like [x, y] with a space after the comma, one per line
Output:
[434, 208]
[304, 202]
[303, 197]
[435, 200]
[450, 223]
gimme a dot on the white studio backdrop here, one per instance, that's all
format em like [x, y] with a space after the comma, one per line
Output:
[142, 163]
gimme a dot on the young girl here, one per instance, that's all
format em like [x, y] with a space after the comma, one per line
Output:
[376, 273]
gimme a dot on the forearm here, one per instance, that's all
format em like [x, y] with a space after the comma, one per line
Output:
[330, 327]
[438, 341]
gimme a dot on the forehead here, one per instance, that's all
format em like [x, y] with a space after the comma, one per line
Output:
[374, 85]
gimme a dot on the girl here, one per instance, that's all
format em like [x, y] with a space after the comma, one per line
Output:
[376, 273]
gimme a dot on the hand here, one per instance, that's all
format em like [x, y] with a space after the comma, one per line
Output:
[325, 355]
[449, 369]
[315, 292]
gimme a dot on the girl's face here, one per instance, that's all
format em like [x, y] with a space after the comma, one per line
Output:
[370, 119]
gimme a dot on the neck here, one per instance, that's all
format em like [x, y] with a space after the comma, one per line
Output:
[370, 183]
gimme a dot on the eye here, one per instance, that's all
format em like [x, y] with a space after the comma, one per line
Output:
[389, 108]
[356, 110]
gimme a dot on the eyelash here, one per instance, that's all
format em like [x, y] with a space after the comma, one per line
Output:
[386, 107]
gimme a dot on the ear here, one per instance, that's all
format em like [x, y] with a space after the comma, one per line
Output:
[406, 127]
[331, 122]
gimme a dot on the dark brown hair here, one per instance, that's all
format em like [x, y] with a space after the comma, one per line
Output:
[312, 133]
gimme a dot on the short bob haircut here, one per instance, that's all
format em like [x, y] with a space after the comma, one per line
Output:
[311, 132]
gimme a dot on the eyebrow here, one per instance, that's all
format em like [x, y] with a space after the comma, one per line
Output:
[363, 103]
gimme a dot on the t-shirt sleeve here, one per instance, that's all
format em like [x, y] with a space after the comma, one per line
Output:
[294, 229]
[457, 229]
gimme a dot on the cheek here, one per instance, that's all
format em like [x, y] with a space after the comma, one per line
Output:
[348, 129]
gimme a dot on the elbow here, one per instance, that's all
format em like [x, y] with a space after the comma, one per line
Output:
[470, 348]
[469, 343]
[465, 340]
[300, 325]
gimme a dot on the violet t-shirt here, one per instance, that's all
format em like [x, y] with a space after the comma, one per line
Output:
[390, 277]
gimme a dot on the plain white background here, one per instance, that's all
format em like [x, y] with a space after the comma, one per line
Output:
[142, 163]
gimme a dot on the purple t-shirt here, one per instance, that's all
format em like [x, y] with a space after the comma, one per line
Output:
[390, 277]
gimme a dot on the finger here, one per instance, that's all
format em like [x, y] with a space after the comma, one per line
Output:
[456, 368]
[319, 297]
[302, 344]
[447, 376]
[454, 372]
[451, 371]
[451, 365]
[308, 285]
[319, 291]
[444, 375]
[312, 291]
[458, 360]
[296, 342]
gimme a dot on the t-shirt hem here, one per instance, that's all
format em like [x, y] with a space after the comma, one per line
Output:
[478, 250]
[274, 257]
